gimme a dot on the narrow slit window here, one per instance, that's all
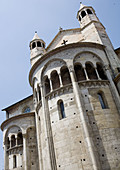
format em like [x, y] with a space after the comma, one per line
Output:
[102, 101]
[61, 109]
[14, 161]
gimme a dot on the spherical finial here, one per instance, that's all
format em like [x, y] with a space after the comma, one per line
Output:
[80, 2]
[35, 31]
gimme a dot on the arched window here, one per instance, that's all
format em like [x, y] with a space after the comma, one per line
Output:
[79, 71]
[38, 44]
[33, 45]
[13, 141]
[65, 76]
[101, 72]
[19, 139]
[55, 80]
[83, 14]
[61, 109]
[7, 143]
[91, 71]
[89, 11]
[102, 100]
[14, 161]
[47, 85]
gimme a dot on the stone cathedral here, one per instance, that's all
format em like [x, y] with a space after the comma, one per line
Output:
[72, 120]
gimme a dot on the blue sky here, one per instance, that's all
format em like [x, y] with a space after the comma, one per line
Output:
[18, 22]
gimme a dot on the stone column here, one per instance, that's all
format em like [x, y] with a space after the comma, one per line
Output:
[97, 74]
[50, 153]
[84, 120]
[38, 93]
[25, 152]
[113, 88]
[38, 132]
[10, 142]
[6, 163]
[86, 73]
[16, 141]
[60, 79]
[51, 87]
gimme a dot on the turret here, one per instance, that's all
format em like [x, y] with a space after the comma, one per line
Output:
[85, 15]
[37, 48]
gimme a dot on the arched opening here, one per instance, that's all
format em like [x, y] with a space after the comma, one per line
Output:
[61, 109]
[33, 45]
[65, 76]
[83, 14]
[79, 71]
[101, 72]
[79, 18]
[14, 161]
[102, 100]
[47, 85]
[55, 80]
[19, 139]
[7, 143]
[38, 44]
[89, 11]
[91, 71]
[13, 141]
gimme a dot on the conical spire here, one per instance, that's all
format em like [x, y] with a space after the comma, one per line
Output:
[81, 6]
[36, 37]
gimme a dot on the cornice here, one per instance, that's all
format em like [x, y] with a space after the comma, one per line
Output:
[30, 114]
[59, 49]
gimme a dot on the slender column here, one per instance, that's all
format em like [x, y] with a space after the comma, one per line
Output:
[5, 158]
[60, 80]
[113, 88]
[38, 93]
[16, 141]
[38, 131]
[97, 74]
[25, 151]
[51, 87]
[84, 119]
[50, 153]
[86, 73]
[10, 142]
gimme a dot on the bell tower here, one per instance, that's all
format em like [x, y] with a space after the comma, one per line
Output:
[86, 15]
[94, 31]
[37, 48]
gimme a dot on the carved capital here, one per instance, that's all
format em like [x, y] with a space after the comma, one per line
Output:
[41, 85]
[71, 68]
[106, 67]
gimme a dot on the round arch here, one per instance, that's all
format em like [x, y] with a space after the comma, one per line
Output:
[79, 55]
[62, 62]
